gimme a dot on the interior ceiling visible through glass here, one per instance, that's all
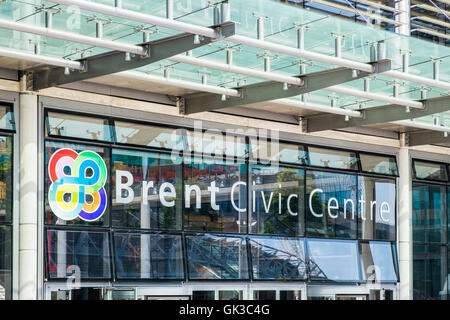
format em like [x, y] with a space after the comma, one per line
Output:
[281, 22]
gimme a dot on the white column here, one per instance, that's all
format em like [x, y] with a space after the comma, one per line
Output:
[404, 224]
[405, 6]
[28, 216]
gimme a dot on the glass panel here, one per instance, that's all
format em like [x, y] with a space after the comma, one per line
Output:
[148, 256]
[329, 158]
[214, 257]
[150, 136]
[333, 260]
[213, 142]
[75, 126]
[69, 198]
[7, 121]
[277, 200]
[376, 208]
[159, 175]
[230, 295]
[377, 262]
[267, 152]
[331, 202]
[5, 262]
[290, 295]
[215, 195]
[264, 295]
[278, 258]
[430, 171]
[203, 295]
[429, 216]
[430, 272]
[78, 253]
[378, 164]
[6, 173]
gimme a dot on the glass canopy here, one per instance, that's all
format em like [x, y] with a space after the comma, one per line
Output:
[280, 26]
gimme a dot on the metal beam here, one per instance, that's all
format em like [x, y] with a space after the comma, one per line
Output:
[117, 61]
[387, 113]
[271, 90]
[427, 137]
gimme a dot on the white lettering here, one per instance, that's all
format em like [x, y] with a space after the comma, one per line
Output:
[146, 185]
[163, 194]
[213, 189]
[289, 204]
[320, 215]
[345, 208]
[266, 207]
[232, 196]
[383, 211]
[335, 207]
[187, 196]
[124, 186]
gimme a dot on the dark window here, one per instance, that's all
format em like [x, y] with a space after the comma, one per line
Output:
[376, 208]
[276, 198]
[76, 126]
[430, 170]
[290, 295]
[333, 260]
[330, 158]
[5, 262]
[209, 185]
[148, 256]
[203, 295]
[77, 253]
[6, 175]
[331, 204]
[278, 258]
[159, 206]
[214, 257]
[264, 295]
[378, 164]
[378, 262]
[64, 200]
[230, 295]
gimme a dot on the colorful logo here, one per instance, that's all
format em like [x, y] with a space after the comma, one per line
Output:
[74, 176]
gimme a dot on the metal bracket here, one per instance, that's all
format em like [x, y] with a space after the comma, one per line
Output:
[381, 66]
[224, 30]
[181, 104]
[303, 122]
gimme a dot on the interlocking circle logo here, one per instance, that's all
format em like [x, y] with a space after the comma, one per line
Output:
[74, 176]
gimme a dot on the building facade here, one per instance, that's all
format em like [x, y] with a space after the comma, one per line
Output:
[137, 187]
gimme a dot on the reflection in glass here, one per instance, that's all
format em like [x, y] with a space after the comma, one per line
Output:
[429, 216]
[203, 295]
[378, 262]
[146, 168]
[278, 258]
[329, 158]
[148, 256]
[209, 187]
[6, 173]
[430, 170]
[50, 217]
[276, 198]
[331, 209]
[215, 257]
[7, 121]
[378, 164]
[290, 295]
[213, 142]
[333, 260]
[75, 126]
[376, 211]
[77, 252]
[267, 152]
[5, 262]
[230, 295]
[264, 295]
[150, 136]
[430, 273]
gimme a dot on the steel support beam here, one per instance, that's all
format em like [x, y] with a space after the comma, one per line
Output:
[375, 115]
[427, 137]
[117, 61]
[271, 90]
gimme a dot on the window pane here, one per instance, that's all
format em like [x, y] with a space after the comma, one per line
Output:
[331, 204]
[264, 295]
[148, 256]
[376, 208]
[267, 152]
[7, 121]
[75, 126]
[378, 164]
[377, 262]
[335, 260]
[290, 295]
[82, 253]
[329, 158]
[5, 263]
[6, 173]
[150, 136]
[72, 198]
[203, 295]
[430, 171]
[213, 142]
[159, 175]
[429, 216]
[230, 295]
[276, 198]
[278, 258]
[214, 257]
[430, 272]
[209, 186]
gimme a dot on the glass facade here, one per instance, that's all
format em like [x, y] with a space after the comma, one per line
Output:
[175, 210]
